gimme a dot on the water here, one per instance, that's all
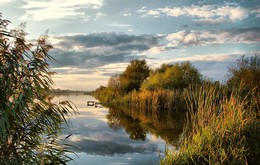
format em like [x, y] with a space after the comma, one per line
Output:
[100, 136]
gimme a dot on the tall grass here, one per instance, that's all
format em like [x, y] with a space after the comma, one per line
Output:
[157, 101]
[221, 128]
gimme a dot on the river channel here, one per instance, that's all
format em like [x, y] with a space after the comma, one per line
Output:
[102, 136]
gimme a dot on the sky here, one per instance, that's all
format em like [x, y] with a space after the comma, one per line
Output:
[94, 39]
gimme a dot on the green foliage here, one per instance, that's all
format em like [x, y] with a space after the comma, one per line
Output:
[134, 75]
[121, 84]
[29, 121]
[177, 76]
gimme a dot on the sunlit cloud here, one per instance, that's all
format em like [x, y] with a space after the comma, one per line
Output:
[208, 14]
[55, 9]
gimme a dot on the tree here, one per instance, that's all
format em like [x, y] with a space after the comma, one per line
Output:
[245, 74]
[29, 121]
[134, 75]
[163, 68]
[177, 76]
[114, 85]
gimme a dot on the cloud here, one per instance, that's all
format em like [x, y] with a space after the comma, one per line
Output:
[112, 147]
[94, 57]
[95, 136]
[126, 14]
[213, 37]
[213, 65]
[98, 49]
[120, 25]
[256, 12]
[7, 1]
[55, 9]
[206, 14]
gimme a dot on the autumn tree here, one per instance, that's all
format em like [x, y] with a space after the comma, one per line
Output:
[29, 121]
[136, 72]
[114, 85]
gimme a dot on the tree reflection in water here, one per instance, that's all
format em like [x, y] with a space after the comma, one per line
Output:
[167, 125]
[118, 119]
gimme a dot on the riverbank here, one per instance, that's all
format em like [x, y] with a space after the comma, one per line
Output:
[222, 120]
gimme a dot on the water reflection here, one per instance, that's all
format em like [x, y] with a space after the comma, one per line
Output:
[117, 119]
[168, 125]
[102, 136]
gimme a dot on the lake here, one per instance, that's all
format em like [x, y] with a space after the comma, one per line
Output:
[102, 136]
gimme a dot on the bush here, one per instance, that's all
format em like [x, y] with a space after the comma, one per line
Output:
[245, 74]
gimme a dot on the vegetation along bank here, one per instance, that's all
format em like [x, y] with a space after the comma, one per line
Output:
[222, 120]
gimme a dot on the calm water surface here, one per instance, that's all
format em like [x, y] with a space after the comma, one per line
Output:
[97, 139]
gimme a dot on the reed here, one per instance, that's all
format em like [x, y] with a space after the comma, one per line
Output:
[221, 128]
[153, 104]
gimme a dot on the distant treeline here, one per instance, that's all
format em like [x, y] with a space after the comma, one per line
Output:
[69, 92]
[222, 124]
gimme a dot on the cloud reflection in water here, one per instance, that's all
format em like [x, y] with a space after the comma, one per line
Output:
[92, 136]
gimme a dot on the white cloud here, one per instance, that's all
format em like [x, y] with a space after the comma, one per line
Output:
[55, 9]
[119, 25]
[154, 50]
[210, 14]
[212, 37]
[153, 12]
[112, 68]
[174, 12]
[126, 14]
[256, 12]
[7, 1]
[210, 21]
[99, 15]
